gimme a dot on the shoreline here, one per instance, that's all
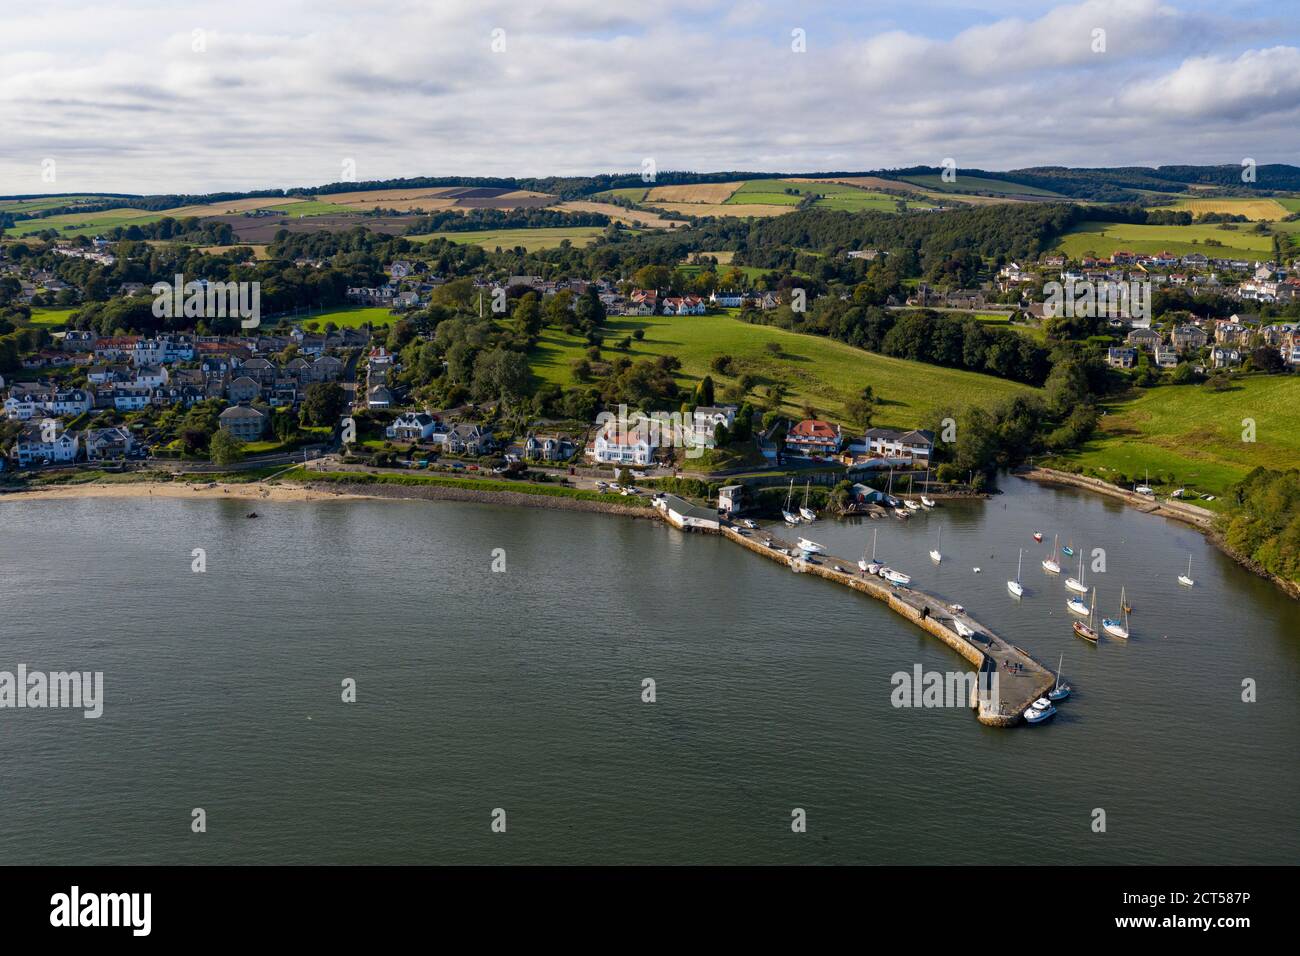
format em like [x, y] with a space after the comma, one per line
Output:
[1194, 517]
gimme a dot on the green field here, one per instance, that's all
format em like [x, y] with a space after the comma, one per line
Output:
[831, 195]
[530, 239]
[1195, 435]
[311, 207]
[1290, 203]
[630, 193]
[817, 371]
[1000, 320]
[769, 192]
[84, 223]
[350, 317]
[42, 203]
[1103, 238]
[50, 317]
[977, 184]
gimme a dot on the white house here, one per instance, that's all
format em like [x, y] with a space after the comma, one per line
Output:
[412, 426]
[631, 447]
[707, 419]
[46, 441]
[897, 444]
[105, 443]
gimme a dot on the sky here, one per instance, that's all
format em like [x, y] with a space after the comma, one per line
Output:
[161, 96]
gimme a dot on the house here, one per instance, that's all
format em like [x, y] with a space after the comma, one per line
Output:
[684, 305]
[731, 499]
[1166, 356]
[412, 426]
[629, 447]
[1121, 357]
[106, 443]
[243, 389]
[126, 398]
[1148, 339]
[243, 422]
[1225, 357]
[1188, 338]
[728, 300]
[379, 397]
[707, 418]
[469, 439]
[72, 401]
[547, 448]
[813, 437]
[44, 442]
[890, 443]
[151, 376]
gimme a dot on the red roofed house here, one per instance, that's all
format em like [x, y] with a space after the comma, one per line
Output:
[813, 437]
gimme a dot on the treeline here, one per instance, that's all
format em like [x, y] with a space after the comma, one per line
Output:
[1264, 524]
[478, 219]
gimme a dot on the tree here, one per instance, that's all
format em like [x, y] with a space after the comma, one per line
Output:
[323, 403]
[225, 448]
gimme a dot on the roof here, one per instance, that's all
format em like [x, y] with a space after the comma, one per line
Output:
[241, 411]
[814, 428]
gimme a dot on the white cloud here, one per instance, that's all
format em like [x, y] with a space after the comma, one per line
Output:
[284, 92]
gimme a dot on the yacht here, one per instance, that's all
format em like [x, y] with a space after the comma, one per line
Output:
[1186, 579]
[895, 577]
[1062, 689]
[1015, 587]
[810, 547]
[1118, 627]
[935, 554]
[1036, 714]
[871, 566]
[790, 517]
[1049, 564]
[804, 511]
[1076, 584]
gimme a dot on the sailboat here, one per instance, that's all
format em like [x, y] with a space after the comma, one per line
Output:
[1061, 690]
[1186, 579]
[1076, 584]
[927, 502]
[789, 516]
[807, 513]
[1075, 605]
[1049, 564]
[935, 554]
[810, 547]
[1086, 631]
[873, 566]
[1015, 587]
[1118, 627]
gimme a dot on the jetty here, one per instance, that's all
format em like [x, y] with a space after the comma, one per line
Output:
[1021, 678]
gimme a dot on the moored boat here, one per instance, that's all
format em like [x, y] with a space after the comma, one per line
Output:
[804, 511]
[927, 502]
[935, 554]
[1036, 714]
[1118, 627]
[1038, 536]
[1186, 579]
[1049, 564]
[1086, 631]
[1076, 584]
[1062, 689]
[1015, 587]
[810, 547]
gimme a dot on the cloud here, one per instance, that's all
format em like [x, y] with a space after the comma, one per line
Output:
[281, 94]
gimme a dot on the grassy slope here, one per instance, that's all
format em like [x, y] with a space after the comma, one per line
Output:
[1196, 434]
[977, 184]
[51, 317]
[1103, 238]
[817, 371]
[352, 317]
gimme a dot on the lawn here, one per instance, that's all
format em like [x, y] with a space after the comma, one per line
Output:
[1103, 238]
[816, 371]
[1001, 320]
[350, 317]
[50, 317]
[1195, 434]
[531, 239]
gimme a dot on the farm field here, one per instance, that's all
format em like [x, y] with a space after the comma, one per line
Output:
[711, 193]
[1195, 435]
[865, 182]
[978, 184]
[817, 371]
[84, 223]
[42, 203]
[1103, 238]
[1256, 210]
[1289, 203]
[740, 210]
[530, 239]
[630, 193]
[631, 217]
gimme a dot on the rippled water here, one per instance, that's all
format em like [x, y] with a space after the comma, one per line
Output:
[522, 690]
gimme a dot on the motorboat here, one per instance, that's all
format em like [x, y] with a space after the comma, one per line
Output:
[1038, 536]
[810, 547]
[1036, 714]
[895, 577]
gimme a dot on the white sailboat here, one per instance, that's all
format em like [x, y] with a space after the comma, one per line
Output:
[895, 577]
[804, 511]
[1076, 584]
[911, 505]
[1015, 587]
[927, 502]
[1061, 690]
[1049, 564]
[873, 566]
[1186, 579]
[1076, 606]
[935, 554]
[790, 517]
[810, 547]
[1118, 627]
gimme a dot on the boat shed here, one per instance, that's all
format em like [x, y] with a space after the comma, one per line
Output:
[682, 514]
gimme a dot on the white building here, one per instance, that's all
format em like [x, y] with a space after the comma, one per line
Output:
[46, 441]
[631, 447]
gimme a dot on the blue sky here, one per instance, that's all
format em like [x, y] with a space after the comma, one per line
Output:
[152, 96]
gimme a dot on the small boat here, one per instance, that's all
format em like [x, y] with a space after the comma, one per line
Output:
[1061, 690]
[1038, 536]
[975, 570]
[1037, 714]
[935, 554]
[1076, 606]
[1015, 587]
[810, 547]
[1086, 631]
[1049, 564]
[927, 502]
[911, 505]
[790, 517]
[1076, 584]
[902, 513]
[1186, 579]
[751, 525]
[895, 577]
[962, 630]
[1117, 627]
[1068, 550]
[870, 566]
[804, 511]
[960, 609]
[251, 514]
